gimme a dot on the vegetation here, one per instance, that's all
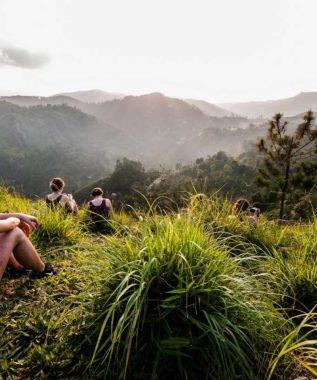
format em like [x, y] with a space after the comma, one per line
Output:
[173, 287]
[68, 141]
[165, 296]
[219, 173]
[288, 159]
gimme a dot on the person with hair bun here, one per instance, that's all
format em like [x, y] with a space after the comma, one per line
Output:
[57, 198]
[241, 209]
[100, 209]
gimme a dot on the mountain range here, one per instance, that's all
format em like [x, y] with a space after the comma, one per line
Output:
[140, 127]
[82, 134]
[93, 96]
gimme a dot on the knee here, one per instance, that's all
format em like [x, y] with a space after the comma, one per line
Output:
[10, 239]
[17, 235]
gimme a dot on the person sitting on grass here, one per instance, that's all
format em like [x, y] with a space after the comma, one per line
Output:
[100, 209]
[199, 199]
[241, 209]
[58, 198]
[16, 250]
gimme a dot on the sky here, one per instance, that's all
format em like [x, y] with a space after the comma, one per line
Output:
[215, 50]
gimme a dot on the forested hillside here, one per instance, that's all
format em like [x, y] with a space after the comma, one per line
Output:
[40, 142]
[83, 147]
[82, 141]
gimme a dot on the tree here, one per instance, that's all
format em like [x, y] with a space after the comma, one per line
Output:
[284, 154]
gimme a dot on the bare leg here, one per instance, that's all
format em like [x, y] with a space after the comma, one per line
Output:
[15, 241]
[13, 263]
[4, 256]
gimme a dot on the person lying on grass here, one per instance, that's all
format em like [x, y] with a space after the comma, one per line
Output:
[16, 250]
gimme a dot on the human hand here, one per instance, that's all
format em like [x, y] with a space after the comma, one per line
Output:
[31, 221]
[25, 227]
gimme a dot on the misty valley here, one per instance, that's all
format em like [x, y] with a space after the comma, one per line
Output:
[80, 136]
[126, 143]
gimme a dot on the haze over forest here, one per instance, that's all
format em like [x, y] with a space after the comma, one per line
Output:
[82, 134]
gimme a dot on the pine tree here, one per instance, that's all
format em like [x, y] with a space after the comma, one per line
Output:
[284, 155]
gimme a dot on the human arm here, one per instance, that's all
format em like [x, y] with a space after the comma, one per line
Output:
[29, 219]
[8, 224]
[254, 218]
[69, 202]
[109, 205]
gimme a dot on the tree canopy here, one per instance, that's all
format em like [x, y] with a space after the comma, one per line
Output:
[288, 161]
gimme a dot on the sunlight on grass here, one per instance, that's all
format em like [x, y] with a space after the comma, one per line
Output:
[165, 295]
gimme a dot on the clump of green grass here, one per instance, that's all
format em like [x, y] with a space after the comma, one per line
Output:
[294, 268]
[174, 305]
[57, 228]
[12, 202]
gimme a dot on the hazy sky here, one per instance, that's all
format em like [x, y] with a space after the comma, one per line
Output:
[217, 50]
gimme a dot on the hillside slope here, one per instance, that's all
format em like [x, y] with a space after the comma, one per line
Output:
[39, 142]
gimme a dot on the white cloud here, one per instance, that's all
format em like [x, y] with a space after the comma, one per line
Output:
[10, 56]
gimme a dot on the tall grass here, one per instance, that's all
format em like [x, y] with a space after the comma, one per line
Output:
[174, 305]
[57, 228]
[192, 295]
[10, 201]
[300, 345]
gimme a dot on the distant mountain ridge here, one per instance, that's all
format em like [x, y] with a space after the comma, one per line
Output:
[93, 96]
[87, 100]
[152, 112]
[31, 101]
[289, 107]
[147, 127]
[209, 108]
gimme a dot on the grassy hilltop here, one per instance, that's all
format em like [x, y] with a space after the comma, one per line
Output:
[173, 296]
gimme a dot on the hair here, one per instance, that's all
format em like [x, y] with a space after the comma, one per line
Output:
[96, 191]
[239, 205]
[57, 184]
[197, 198]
